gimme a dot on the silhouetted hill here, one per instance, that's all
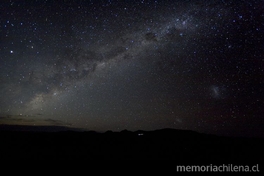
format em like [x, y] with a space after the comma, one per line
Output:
[178, 145]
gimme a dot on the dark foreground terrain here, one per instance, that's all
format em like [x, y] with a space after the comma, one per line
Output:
[170, 144]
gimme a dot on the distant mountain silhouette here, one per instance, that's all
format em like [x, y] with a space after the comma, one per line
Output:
[169, 144]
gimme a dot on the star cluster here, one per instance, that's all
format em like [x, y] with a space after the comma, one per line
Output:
[149, 64]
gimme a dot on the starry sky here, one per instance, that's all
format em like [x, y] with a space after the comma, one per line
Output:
[135, 65]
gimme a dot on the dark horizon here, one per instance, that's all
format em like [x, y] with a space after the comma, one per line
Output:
[165, 144]
[58, 128]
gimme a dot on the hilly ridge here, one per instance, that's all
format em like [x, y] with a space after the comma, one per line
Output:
[166, 144]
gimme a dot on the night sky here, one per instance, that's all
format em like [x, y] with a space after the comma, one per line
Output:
[135, 65]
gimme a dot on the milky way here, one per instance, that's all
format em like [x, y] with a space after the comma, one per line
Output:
[114, 65]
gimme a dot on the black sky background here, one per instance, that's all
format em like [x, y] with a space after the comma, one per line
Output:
[114, 65]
